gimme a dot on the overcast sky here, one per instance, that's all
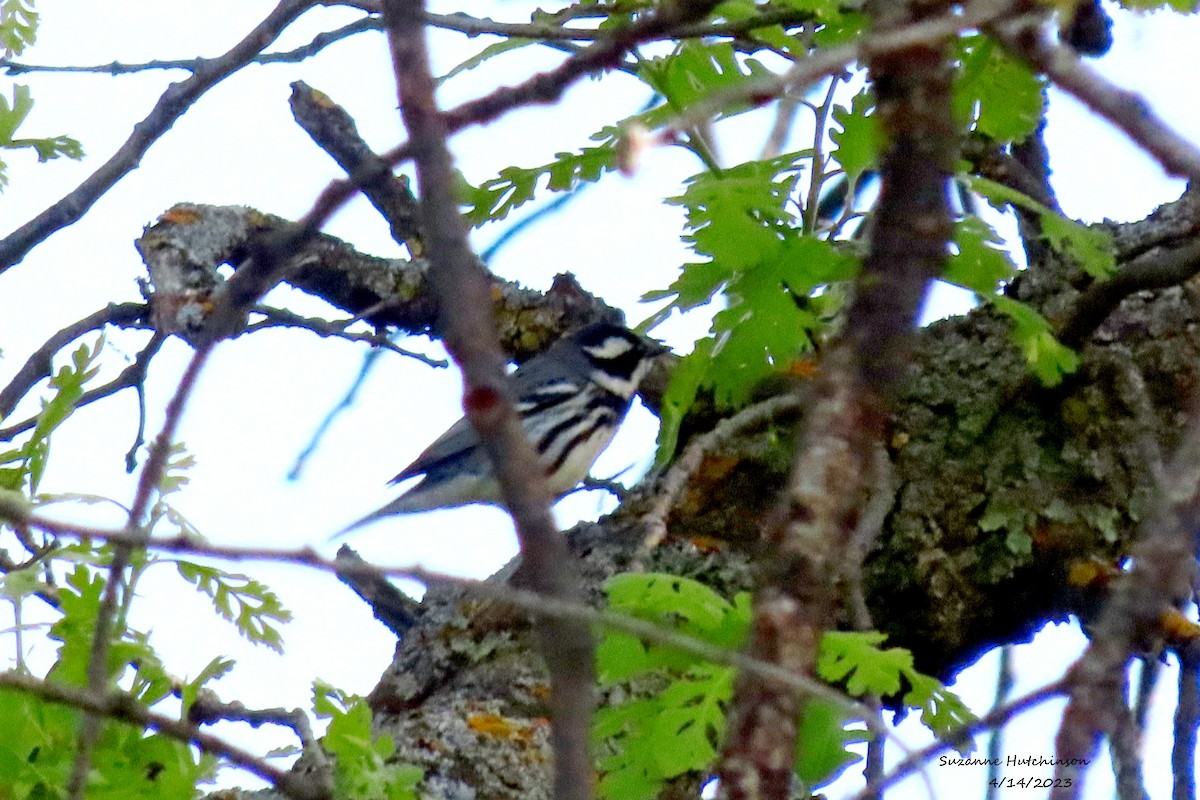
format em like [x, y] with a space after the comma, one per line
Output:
[262, 396]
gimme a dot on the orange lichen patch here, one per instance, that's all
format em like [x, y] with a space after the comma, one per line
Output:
[500, 727]
[716, 468]
[1178, 628]
[180, 216]
[540, 690]
[1091, 572]
[804, 370]
[322, 99]
[708, 544]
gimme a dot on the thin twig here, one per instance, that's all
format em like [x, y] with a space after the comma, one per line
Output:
[283, 318]
[816, 177]
[1161, 577]
[547, 87]
[136, 373]
[1004, 685]
[823, 63]
[1156, 269]
[133, 376]
[499, 590]
[208, 709]
[1124, 752]
[193, 65]
[463, 290]
[475, 26]
[655, 520]
[173, 103]
[122, 706]
[39, 365]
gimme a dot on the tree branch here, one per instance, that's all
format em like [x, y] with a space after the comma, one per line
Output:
[1124, 109]
[396, 610]
[334, 131]
[39, 365]
[102, 636]
[193, 65]
[810, 540]
[1187, 720]
[173, 103]
[1157, 269]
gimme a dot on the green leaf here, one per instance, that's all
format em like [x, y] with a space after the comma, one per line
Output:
[744, 221]
[698, 69]
[361, 767]
[217, 668]
[821, 739]
[18, 26]
[11, 116]
[980, 262]
[250, 605]
[1048, 358]
[855, 658]
[942, 711]
[1091, 248]
[860, 140]
[486, 54]
[1180, 6]
[687, 377]
[996, 94]
[652, 737]
[494, 199]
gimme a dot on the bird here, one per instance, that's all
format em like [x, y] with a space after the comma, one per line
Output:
[571, 399]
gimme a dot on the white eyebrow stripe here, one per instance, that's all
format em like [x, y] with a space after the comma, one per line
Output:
[612, 347]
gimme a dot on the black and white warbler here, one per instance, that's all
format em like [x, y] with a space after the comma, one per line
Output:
[571, 398]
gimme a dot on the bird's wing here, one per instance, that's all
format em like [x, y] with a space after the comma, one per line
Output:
[535, 385]
[459, 440]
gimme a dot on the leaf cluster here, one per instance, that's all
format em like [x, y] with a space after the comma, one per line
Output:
[363, 768]
[14, 114]
[667, 710]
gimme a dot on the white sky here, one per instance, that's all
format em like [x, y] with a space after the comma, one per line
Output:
[262, 396]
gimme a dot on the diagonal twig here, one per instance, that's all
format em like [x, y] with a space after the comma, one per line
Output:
[39, 365]
[97, 668]
[173, 103]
